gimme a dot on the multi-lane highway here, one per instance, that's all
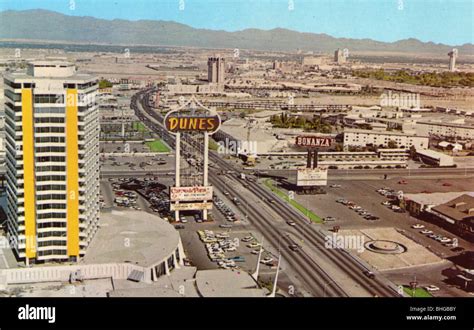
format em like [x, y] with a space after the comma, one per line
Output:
[306, 264]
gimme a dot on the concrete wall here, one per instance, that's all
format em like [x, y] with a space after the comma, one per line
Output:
[62, 273]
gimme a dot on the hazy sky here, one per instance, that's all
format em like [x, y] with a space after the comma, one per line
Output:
[443, 21]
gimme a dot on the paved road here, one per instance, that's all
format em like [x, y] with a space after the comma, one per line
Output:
[377, 174]
[315, 277]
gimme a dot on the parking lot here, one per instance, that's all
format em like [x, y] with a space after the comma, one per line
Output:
[151, 163]
[227, 233]
[366, 196]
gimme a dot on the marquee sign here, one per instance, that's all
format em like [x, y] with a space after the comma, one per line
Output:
[313, 141]
[176, 122]
[191, 193]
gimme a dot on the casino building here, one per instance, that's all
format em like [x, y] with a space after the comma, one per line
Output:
[52, 159]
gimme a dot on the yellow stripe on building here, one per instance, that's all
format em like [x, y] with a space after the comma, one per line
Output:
[29, 171]
[72, 173]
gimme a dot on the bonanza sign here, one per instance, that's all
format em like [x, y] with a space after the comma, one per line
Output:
[313, 141]
[192, 123]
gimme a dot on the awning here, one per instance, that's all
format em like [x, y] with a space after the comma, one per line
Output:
[136, 276]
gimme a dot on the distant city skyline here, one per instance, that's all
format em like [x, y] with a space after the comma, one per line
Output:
[439, 21]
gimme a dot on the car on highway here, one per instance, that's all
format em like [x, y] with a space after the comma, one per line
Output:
[369, 274]
[431, 288]
[294, 247]
[417, 226]
[291, 223]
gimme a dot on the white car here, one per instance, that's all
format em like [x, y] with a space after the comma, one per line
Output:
[335, 186]
[426, 232]
[266, 260]
[446, 240]
[247, 239]
[231, 249]
[417, 226]
[255, 251]
[253, 245]
[431, 288]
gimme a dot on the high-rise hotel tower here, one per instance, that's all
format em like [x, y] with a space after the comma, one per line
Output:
[52, 157]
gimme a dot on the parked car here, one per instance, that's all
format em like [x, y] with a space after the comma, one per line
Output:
[253, 245]
[417, 226]
[426, 232]
[291, 223]
[431, 288]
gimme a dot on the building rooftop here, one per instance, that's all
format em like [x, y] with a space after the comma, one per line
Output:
[435, 198]
[50, 63]
[368, 131]
[227, 283]
[457, 209]
[432, 154]
[439, 123]
[135, 237]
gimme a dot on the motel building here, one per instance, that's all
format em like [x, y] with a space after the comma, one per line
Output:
[52, 160]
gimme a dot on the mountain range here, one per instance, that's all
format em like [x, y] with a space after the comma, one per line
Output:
[47, 25]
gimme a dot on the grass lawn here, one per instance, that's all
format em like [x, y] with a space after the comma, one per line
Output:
[213, 145]
[419, 292]
[157, 146]
[292, 202]
[139, 126]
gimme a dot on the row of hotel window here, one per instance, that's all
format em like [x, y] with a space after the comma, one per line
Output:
[48, 110]
[65, 85]
[52, 98]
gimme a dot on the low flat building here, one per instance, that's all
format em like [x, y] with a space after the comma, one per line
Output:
[443, 129]
[416, 204]
[459, 215]
[129, 245]
[363, 138]
[434, 158]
